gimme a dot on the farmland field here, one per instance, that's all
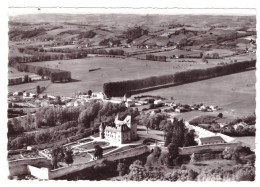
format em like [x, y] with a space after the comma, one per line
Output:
[112, 69]
[234, 93]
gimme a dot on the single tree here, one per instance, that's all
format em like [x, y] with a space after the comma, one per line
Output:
[220, 115]
[121, 169]
[38, 89]
[98, 152]
[90, 92]
[69, 157]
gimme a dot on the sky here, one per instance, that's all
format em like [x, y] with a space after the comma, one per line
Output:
[165, 11]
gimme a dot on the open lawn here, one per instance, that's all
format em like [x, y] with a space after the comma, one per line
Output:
[235, 94]
[247, 140]
[112, 69]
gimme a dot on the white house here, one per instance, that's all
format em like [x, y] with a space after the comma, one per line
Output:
[156, 102]
[214, 108]
[202, 107]
[241, 124]
[99, 95]
[129, 103]
[26, 94]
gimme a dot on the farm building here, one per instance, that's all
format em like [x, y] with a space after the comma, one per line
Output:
[119, 131]
[211, 140]
[129, 103]
[156, 102]
[241, 124]
[99, 95]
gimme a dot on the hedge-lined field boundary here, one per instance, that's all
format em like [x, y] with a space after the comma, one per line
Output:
[54, 74]
[120, 88]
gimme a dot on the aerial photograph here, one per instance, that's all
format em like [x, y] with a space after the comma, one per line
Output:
[131, 97]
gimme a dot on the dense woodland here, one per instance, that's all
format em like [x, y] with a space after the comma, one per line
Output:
[62, 123]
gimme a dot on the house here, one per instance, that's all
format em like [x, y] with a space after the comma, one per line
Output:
[51, 97]
[222, 125]
[241, 124]
[156, 102]
[33, 95]
[79, 103]
[213, 108]
[17, 93]
[116, 101]
[211, 140]
[26, 94]
[143, 102]
[181, 109]
[99, 95]
[129, 103]
[201, 108]
[119, 131]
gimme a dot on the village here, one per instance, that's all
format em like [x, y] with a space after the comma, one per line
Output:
[113, 138]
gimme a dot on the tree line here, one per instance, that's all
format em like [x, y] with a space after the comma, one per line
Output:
[156, 58]
[115, 89]
[54, 74]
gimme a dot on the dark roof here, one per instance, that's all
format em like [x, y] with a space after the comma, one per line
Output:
[122, 128]
[212, 139]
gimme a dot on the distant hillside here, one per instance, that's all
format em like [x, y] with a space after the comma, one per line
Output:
[131, 19]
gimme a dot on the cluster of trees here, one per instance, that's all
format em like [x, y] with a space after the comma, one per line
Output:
[50, 135]
[233, 36]
[140, 172]
[135, 32]
[59, 154]
[116, 52]
[178, 134]
[88, 34]
[26, 34]
[156, 58]
[72, 32]
[106, 42]
[11, 113]
[64, 122]
[156, 121]
[54, 74]
[250, 120]
[210, 123]
[105, 112]
[98, 154]
[236, 173]
[240, 131]
[50, 116]
[121, 87]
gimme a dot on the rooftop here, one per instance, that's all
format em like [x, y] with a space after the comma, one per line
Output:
[212, 139]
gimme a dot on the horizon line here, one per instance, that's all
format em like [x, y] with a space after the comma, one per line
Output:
[16, 11]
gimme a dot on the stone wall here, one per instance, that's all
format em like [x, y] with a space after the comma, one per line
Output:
[19, 167]
[206, 148]
[115, 156]
[40, 173]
